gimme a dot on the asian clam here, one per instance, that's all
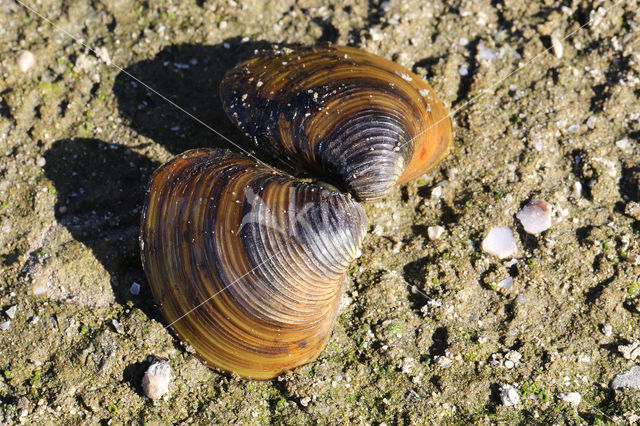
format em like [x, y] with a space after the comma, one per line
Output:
[247, 263]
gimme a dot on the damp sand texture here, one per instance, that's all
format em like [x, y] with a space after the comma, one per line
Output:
[431, 328]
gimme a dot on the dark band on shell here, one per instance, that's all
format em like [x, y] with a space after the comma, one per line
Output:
[343, 112]
[247, 264]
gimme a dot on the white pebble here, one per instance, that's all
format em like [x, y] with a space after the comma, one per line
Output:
[577, 189]
[155, 382]
[509, 396]
[499, 242]
[485, 53]
[506, 284]
[556, 46]
[40, 162]
[630, 351]
[38, 290]
[25, 60]
[535, 217]
[463, 41]
[11, 312]
[622, 143]
[435, 232]
[436, 192]
[135, 289]
[509, 364]
[573, 398]
[5, 325]
[103, 54]
[463, 71]
[607, 329]
[628, 379]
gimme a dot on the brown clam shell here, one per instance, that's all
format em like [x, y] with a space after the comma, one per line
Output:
[246, 263]
[343, 112]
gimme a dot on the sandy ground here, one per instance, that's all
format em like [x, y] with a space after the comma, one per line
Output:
[428, 331]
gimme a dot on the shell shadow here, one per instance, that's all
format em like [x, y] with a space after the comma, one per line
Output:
[100, 186]
[100, 189]
[189, 76]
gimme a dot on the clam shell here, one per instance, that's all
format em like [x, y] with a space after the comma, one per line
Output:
[343, 112]
[247, 264]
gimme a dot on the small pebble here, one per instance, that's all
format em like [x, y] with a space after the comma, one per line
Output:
[436, 192]
[509, 396]
[435, 232]
[535, 217]
[514, 356]
[484, 53]
[573, 398]
[25, 60]
[39, 289]
[499, 242]
[118, 326]
[556, 46]
[11, 312]
[463, 71]
[607, 330]
[628, 379]
[103, 54]
[506, 284]
[577, 189]
[630, 351]
[40, 162]
[135, 289]
[443, 361]
[5, 325]
[155, 382]
[622, 143]
[509, 364]
[305, 401]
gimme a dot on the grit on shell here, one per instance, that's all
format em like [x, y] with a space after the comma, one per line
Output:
[425, 331]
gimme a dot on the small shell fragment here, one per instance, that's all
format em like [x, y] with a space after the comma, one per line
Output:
[435, 232]
[25, 60]
[630, 351]
[499, 242]
[573, 398]
[11, 311]
[556, 46]
[535, 217]
[509, 396]
[155, 382]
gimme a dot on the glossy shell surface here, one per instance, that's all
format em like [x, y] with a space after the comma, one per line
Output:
[344, 113]
[247, 264]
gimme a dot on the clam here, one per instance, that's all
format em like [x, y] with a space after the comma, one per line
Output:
[247, 263]
[363, 121]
